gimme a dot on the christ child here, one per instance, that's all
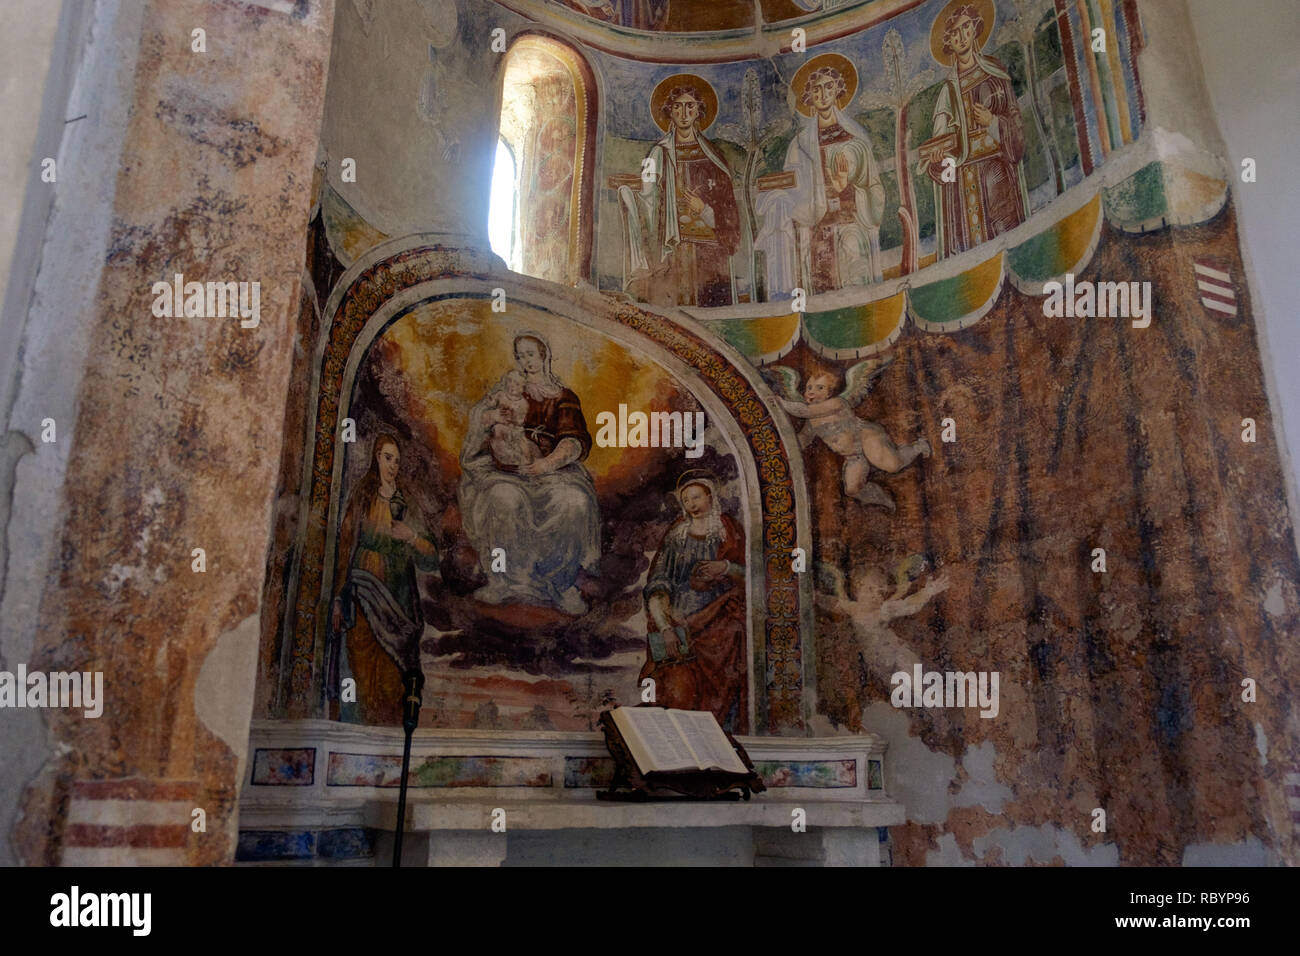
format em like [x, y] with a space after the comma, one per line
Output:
[509, 445]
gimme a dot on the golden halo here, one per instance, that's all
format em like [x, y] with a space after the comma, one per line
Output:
[987, 14]
[835, 61]
[699, 84]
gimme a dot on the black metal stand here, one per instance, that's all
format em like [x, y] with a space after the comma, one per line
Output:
[412, 685]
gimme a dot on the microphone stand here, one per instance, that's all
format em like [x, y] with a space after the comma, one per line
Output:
[412, 685]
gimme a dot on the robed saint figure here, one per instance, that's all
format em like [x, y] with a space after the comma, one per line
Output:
[977, 126]
[683, 226]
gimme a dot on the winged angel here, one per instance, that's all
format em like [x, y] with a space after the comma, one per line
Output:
[827, 404]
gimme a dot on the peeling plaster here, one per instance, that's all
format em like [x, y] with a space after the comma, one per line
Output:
[1042, 844]
[948, 854]
[221, 698]
[921, 777]
[1249, 852]
[982, 788]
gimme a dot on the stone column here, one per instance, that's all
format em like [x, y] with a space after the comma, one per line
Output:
[194, 159]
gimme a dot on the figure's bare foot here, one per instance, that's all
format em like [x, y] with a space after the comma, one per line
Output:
[872, 494]
[571, 602]
[923, 446]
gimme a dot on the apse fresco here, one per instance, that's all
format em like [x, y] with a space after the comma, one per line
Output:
[690, 16]
[490, 531]
[861, 160]
[669, 16]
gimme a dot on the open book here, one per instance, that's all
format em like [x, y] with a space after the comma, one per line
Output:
[662, 740]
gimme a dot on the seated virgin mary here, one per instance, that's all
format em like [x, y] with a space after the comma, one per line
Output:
[542, 515]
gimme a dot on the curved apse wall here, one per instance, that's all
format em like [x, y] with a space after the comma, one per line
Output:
[1046, 471]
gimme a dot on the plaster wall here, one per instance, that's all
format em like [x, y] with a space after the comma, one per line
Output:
[411, 99]
[1256, 112]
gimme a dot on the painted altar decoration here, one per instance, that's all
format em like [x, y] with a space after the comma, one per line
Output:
[485, 531]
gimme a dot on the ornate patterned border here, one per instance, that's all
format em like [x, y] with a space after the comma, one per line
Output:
[394, 275]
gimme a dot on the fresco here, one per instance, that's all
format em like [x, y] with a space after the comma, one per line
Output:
[685, 16]
[867, 157]
[951, 453]
[672, 16]
[546, 125]
[682, 225]
[491, 534]
[977, 135]
[827, 408]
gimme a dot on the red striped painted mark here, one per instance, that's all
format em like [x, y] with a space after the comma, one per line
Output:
[1215, 286]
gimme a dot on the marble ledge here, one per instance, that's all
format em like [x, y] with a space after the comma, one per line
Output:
[428, 815]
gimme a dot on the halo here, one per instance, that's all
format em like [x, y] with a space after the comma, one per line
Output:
[697, 476]
[703, 89]
[835, 61]
[987, 13]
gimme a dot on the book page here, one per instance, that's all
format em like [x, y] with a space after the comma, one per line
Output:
[707, 741]
[653, 739]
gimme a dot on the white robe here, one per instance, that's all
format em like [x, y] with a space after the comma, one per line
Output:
[858, 243]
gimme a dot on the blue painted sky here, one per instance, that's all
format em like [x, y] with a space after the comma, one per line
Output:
[627, 84]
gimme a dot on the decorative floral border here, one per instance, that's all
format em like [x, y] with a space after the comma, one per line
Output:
[390, 277]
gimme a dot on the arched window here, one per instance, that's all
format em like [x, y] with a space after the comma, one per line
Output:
[503, 208]
[548, 129]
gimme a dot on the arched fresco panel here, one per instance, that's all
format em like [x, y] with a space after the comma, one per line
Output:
[523, 585]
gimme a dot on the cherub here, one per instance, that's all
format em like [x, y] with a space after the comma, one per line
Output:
[828, 406]
[509, 444]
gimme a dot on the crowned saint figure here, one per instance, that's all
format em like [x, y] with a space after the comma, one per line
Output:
[838, 198]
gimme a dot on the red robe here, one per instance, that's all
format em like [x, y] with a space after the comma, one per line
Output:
[716, 679]
[988, 198]
[698, 271]
[552, 419]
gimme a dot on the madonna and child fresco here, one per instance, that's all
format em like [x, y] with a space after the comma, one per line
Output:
[839, 168]
[490, 543]
[524, 490]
